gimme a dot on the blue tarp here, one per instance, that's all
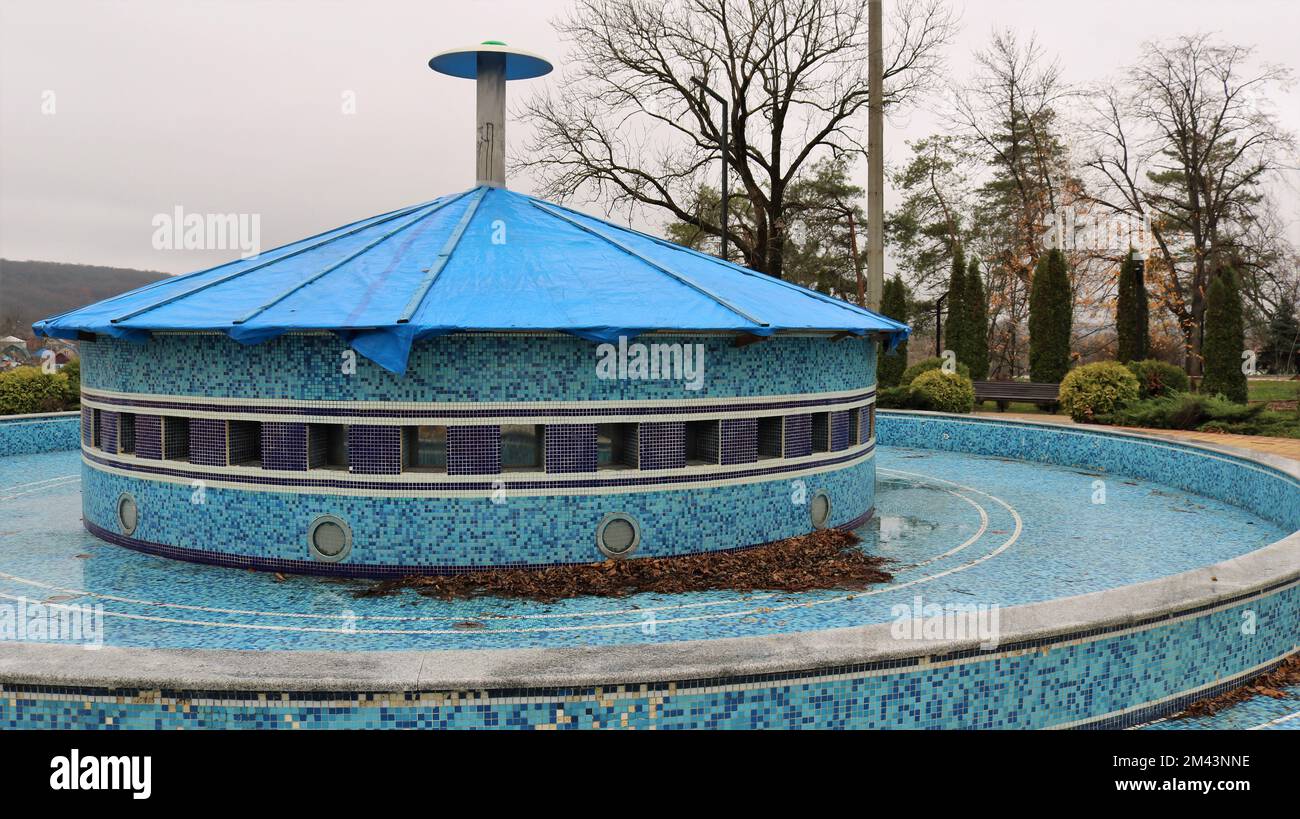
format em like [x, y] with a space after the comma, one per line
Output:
[485, 259]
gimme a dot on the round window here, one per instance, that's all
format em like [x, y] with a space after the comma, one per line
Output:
[618, 535]
[820, 509]
[329, 538]
[128, 514]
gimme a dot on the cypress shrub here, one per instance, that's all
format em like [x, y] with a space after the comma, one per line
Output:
[1225, 338]
[954, 337]
[977, 323]
[1051, 309]
[893, 303]
[1133, 335]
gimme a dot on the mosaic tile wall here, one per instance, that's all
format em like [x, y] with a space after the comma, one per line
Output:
[473, 450]
[570, 448]
[468, 531]
[661, 445]
[46, 433]
[1054, 682]
[160, 437]
[284, 446]
[738, 438]
[117, 431]
[374, 450]
[462, 368]
[1264, 491]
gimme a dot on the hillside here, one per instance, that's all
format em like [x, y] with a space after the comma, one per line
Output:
[30, 291]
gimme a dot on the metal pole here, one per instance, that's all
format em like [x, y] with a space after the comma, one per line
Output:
[875, 158]
[490, 151]
[722, 149]
[938, 326]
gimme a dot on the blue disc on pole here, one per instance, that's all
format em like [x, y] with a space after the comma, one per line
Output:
[463, 62]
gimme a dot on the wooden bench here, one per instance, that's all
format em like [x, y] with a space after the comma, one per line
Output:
[1027, 392]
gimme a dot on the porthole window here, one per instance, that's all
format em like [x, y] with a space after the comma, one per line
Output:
[819, 509]
[128, 514]
[329, 538]
[618, 535]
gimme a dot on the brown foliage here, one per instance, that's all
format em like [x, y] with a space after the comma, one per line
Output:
[827, 559]
[1268, 685]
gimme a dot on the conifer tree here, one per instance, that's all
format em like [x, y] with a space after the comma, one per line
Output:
[893, 303]
[1051, 316]
[1225, 339]
[977, 323]
[954, 333]
[1133, 335]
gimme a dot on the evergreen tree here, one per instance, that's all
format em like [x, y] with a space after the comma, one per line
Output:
[1283, 350]
[954, 333]
[1134, 339]
[1225, 339]
[977, 323]
[1051, 314]
[893, 303]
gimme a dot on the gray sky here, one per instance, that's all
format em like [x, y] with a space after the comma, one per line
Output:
[236, 106]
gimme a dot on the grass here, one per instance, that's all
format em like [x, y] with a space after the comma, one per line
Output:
[1260, 389]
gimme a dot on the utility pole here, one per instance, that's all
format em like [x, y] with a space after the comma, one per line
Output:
[722, 149]
[875, 158]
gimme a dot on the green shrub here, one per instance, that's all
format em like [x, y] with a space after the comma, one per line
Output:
[29, 389]
[942, 392]
[71, 373]
[1097, 389]
[1184, 411]
[1156, 378]
[894, 398]
[926, 365]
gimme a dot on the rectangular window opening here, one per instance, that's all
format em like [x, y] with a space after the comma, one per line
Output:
[424, 448]
[327, 446]
[821, 432]
[244, 439]
[616, 446]
[521, 446]
[702, 442]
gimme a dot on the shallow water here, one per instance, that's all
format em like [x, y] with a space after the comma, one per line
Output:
[958, 528]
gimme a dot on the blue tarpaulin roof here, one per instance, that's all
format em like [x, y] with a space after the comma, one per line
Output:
[484, 259]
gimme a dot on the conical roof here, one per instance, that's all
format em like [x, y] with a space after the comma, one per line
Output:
[484, 259]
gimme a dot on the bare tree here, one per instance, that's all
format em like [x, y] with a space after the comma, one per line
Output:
[1186, 142]
[1007, 115]
[630, 126]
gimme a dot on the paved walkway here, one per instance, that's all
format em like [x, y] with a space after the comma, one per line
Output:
[1285, 447]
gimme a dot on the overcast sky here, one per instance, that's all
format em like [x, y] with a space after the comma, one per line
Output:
[236, 107]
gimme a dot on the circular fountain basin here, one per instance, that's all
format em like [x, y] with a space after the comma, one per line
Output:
[1106, 579]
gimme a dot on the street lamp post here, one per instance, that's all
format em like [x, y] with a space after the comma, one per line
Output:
[938, 326]
[722, 149]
